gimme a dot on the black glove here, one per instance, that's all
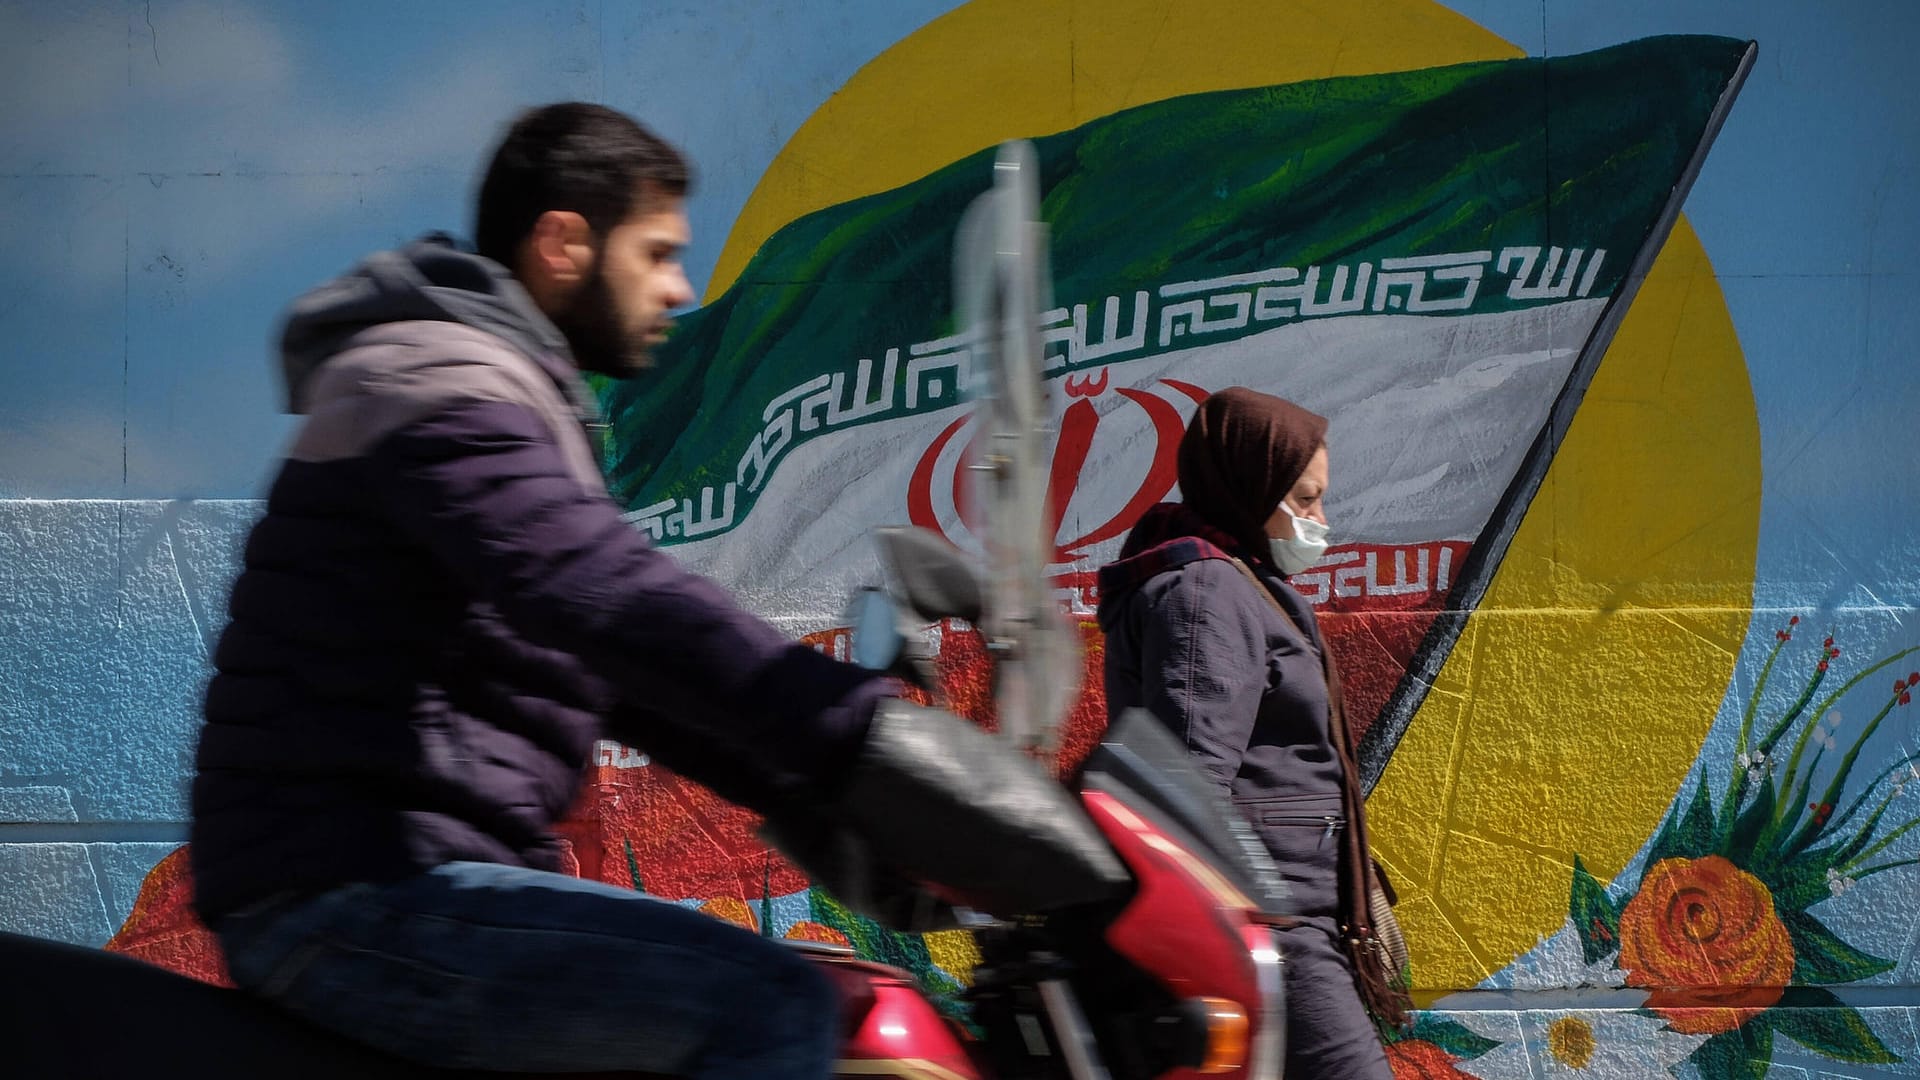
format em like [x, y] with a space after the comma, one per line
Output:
[934, 799]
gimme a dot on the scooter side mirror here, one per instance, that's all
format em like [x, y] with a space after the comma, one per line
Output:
[883, 639]
[930, 575]
[875, 623]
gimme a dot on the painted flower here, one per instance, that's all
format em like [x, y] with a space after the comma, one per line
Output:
[1418, 1059]
[732, 909]
[1609, 1042]
[1703, 936]
[1570, 1041]
[808, 930]
[1838, 883]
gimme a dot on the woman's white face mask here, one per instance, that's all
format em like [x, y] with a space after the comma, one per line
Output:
[1304, 548]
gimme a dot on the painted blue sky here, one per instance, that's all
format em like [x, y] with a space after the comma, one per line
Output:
[172, 173]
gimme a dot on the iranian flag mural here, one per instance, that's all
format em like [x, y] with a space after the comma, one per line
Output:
[1434, 259]
[1424, 257]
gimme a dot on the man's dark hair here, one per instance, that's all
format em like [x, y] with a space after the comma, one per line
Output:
[573, 156]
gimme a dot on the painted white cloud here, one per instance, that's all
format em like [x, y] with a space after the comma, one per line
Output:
[70, 75]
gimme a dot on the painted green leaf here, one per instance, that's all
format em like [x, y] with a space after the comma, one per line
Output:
[868, 938]
[1817, 1020]
[633, 866]
[1594, 916]
[1450, 1036]
[766, 897]
[1698, 829]
[1745, 1053]
[1819, 957]
[871, 941]
[1663, 841]
[1796, 885]
[946, 994]
[1693, 834]
[1744, 834]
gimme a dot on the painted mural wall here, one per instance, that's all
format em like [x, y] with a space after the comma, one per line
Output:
[1613, 312]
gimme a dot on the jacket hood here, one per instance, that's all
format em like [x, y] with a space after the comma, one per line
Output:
[1167, 537]
[429, 279]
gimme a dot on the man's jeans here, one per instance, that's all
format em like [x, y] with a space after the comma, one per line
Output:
[476, 965]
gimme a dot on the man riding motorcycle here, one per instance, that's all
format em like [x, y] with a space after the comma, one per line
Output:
[441, 612]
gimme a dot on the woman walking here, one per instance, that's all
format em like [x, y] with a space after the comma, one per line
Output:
[1204, 632]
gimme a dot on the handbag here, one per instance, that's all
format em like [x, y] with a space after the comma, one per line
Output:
[1386, 927]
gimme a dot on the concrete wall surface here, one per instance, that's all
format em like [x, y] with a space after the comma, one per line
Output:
[1614, 316]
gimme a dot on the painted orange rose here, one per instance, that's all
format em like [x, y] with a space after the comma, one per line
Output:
[808, 930]
[1703, 936]
[734, 910]
[1418, 1059]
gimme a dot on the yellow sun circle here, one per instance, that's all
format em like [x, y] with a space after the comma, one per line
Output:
[1579, 694]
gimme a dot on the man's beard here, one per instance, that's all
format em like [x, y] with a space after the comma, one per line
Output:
[591, 324]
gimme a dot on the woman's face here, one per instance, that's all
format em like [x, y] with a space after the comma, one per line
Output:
[1303, 499]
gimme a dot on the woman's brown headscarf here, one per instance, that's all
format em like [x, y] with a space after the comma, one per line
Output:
[1243, 451]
